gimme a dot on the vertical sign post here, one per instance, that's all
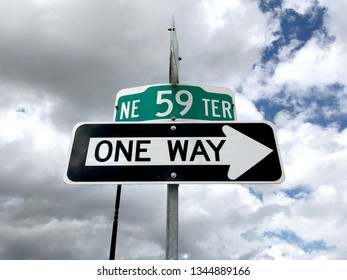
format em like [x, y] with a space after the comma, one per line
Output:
[172, 189]
[172, 222]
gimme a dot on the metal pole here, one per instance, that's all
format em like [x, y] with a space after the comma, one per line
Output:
[172, 189]
[172, 222]
[174, 55]
[115, 224]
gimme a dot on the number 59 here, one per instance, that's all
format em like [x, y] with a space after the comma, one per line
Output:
[186, 101]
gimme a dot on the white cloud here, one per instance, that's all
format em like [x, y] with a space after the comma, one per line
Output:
[314, 65]
[318, 64]
[245, 109]
[297, 5]
[336, 19]
[216, 10]
[227, 41]
[310, 152]
[313, 157]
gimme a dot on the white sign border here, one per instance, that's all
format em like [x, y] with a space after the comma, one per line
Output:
[280, 180]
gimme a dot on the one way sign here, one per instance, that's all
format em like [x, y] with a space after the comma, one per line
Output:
[226, 152]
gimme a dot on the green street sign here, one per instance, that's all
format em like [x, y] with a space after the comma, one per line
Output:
[165, 102]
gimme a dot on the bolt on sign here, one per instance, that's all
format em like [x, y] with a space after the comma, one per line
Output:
[164, 102]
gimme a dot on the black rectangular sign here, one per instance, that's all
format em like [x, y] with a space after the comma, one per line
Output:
[225, 152]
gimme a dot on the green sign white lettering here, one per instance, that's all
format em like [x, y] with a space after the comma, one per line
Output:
[160, 102]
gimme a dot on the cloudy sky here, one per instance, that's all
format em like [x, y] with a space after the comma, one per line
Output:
[62, 62]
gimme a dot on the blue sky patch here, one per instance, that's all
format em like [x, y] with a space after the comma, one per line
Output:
[324, 106]
[297, 192]
[258, 195]
[293, 25]
[293, 239]
[270, 109]
[302, 27]
[269, 5]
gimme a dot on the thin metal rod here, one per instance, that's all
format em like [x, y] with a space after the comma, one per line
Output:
[172, 222]
[174, 55]
[115, 224]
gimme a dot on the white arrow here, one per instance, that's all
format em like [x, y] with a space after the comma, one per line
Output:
[243, 152]
[235, 149]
